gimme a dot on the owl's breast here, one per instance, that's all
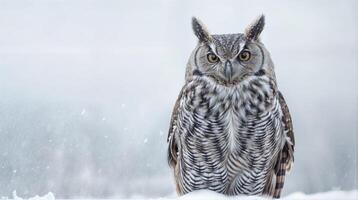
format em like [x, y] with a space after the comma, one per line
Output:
[227, 136]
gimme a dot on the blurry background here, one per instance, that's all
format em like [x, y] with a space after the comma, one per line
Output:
[87, 89]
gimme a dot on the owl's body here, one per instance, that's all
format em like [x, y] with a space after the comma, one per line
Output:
[230, 130]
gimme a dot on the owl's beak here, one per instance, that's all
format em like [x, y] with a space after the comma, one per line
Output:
[228, 71]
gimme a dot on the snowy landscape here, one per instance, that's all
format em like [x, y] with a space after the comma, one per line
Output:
[87, 88]
[209, 195]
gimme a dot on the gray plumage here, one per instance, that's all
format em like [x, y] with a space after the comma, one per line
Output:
[231, 131]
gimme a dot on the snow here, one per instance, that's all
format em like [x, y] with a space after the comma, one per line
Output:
[48, 196]
[331, 195]
[83, 112]
[209, 195]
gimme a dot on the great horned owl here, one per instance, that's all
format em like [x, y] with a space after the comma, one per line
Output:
[230, 131]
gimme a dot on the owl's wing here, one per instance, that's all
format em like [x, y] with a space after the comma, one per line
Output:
[172, 144]
[285, 158]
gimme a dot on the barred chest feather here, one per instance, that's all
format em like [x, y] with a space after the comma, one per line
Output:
[229, 135]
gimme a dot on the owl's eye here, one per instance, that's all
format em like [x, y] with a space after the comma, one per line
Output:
[245, 55]
[212, 58]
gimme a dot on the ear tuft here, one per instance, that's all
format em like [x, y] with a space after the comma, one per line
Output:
[200, 30]
[254, 30]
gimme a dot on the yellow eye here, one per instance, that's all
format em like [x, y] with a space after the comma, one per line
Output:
[212, 58]
[245, 56]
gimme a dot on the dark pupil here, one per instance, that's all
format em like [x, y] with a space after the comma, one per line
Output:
[244, 55]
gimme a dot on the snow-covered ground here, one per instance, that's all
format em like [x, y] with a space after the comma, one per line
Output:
[209, 195]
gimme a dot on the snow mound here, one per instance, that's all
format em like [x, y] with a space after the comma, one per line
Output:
[331, 195]
[48, 196]
[209, 195]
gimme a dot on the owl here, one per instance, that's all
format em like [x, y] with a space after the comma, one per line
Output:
[230, 130]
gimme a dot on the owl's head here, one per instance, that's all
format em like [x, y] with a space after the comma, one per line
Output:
[229, 58]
